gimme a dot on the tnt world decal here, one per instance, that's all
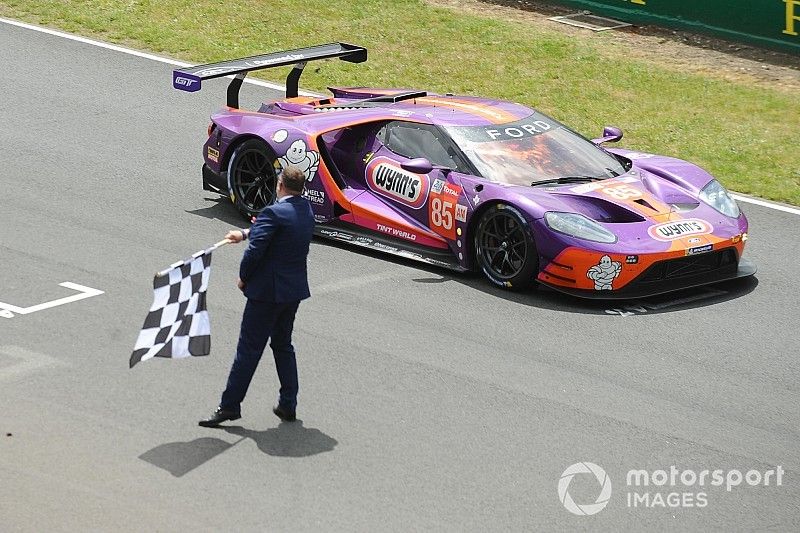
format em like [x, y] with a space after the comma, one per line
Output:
[669, 231]
[386, 178]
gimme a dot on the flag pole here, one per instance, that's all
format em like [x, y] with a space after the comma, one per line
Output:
[213, 247]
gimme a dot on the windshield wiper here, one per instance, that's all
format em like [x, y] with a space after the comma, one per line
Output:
[570, 179]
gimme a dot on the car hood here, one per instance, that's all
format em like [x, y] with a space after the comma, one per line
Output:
[636, 196]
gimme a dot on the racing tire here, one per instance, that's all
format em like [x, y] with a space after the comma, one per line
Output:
[505, 249]
[252, 180]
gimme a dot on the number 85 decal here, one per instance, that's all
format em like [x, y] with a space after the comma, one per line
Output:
[622, 192]
[442, 216]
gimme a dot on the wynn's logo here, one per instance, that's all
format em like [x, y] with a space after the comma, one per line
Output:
[669, 231]
[386, 178]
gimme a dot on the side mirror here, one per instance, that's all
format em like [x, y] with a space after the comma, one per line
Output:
[420, 165]
[611, 134]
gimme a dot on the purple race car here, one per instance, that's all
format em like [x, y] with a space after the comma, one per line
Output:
[473, 184]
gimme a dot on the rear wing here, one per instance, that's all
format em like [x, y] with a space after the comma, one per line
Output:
[190, 78]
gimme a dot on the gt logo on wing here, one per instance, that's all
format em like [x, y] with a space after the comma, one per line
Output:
[386, 178]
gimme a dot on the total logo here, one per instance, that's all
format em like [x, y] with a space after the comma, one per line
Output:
[386, 178]
[669, 231]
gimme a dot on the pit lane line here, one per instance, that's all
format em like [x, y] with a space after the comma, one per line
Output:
[122, 49]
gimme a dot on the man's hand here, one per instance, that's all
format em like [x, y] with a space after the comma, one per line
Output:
[235, 236]
[240, 284]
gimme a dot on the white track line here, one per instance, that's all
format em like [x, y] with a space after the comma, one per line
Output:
[136, 53]
[756, 201]
[764, 203]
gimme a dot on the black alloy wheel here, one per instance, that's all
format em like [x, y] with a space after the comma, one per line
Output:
[504, 248]
[252, 179]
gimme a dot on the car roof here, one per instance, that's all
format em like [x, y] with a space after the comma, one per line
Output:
[361, 104]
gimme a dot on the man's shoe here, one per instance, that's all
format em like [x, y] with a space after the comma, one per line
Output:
[219, 416]
[284, 414]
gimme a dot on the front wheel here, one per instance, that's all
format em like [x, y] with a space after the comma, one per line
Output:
[504, 248]
[252, 180]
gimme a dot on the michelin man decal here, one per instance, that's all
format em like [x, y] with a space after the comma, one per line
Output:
[604, 273]
[300, 156]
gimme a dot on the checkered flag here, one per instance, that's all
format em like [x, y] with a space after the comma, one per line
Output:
[177, 325]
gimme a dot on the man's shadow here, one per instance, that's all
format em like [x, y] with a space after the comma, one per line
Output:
[289, 439]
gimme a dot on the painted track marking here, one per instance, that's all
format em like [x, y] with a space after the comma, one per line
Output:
[83, 293]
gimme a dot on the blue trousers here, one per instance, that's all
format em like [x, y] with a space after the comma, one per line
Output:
[263, 321]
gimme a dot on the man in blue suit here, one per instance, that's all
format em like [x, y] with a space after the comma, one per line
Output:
[273, 276]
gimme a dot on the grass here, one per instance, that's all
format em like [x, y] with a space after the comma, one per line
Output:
[746, 136]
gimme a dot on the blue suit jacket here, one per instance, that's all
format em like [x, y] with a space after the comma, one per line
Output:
[274, 267]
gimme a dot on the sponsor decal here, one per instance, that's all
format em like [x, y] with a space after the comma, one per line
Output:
[280, 136]
[213, 154]
[476, 199]
[518, 131]
[298, 155]
[442, 210]
[694, 240]
[402, 113]
[273, 60]
[632, 259]
[700, 249]
[320, 218]
[737, 238]
[212, 71]
[253, 63]
[604, 273]
[437, 186]
[461, 213]
[385, 247]
[638, 155]
[386, 178]
[333, 234]
[314, 196]
[397, 232]
[669, 231]
[604, 184]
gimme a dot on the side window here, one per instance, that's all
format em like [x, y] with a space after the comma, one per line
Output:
[417, 140]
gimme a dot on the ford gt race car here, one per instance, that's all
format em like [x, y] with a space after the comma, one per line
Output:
[473, 184]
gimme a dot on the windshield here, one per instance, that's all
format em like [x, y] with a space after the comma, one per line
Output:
[536, 148]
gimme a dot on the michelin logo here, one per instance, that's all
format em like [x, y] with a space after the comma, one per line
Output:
[604, 273]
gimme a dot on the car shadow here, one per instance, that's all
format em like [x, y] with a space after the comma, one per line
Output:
[221, 209]
[543, 297]
[288, 439]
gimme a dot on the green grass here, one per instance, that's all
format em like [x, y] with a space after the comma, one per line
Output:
[746, 136]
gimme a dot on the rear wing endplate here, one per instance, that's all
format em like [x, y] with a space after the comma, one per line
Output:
[190, 78]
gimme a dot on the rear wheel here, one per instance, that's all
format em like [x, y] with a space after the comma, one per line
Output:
[252, 179]
[504, 248]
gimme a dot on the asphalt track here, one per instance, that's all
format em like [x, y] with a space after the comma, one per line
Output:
[429, 401]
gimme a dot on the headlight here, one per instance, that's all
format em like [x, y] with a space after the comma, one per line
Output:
[715, 195]
[578, 226]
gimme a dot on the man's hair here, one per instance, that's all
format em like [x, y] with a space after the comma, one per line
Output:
[293, 179]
